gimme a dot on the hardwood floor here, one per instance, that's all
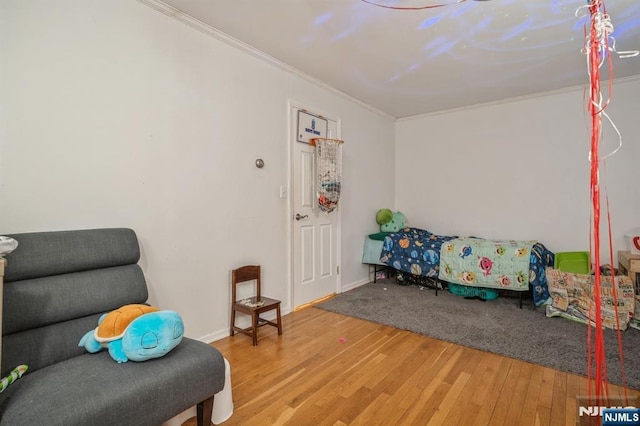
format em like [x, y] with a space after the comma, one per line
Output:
[329, 369]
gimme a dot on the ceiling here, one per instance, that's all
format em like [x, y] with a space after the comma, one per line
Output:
[411, 62]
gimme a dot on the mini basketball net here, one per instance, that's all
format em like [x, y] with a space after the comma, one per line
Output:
[328, 172]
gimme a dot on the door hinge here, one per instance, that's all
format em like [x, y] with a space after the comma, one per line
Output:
[338, 269]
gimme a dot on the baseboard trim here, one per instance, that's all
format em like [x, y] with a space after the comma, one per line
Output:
[353, 285]
[320, 300]
[241, 322]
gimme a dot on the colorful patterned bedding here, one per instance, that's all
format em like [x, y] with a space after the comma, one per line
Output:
[506, 265]
[413, 250]
[485, 263]
[573, 298]
[418, 251]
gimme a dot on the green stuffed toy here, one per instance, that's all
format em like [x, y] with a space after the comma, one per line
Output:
[391, 221]
[384, 216]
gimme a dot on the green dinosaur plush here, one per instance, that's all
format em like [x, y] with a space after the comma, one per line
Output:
[391, 221]
[384, 216]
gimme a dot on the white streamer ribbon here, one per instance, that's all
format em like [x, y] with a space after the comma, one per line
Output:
[604, 29]
[607, 43]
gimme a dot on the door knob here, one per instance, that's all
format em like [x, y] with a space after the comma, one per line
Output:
[300, 217]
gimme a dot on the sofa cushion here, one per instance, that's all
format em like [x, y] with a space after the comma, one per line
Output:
[42, 254]
[92, 389]
[47, 300]
[45, 346]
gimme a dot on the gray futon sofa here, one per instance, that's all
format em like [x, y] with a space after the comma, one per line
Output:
[57, 285]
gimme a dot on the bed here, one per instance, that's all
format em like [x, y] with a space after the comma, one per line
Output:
[371, 253]
[470, 261]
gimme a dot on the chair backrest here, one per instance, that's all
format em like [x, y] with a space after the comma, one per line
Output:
[57, 285]
[244, 274]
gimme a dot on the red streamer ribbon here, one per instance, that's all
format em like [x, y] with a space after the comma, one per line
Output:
[596, 48]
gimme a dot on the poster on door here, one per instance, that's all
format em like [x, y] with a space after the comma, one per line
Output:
[311, 126]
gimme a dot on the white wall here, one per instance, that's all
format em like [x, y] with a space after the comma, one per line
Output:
[113, 114]
[519, 170]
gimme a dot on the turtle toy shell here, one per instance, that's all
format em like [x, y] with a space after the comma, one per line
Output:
[113, 325]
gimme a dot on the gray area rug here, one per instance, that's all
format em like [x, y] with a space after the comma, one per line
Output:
[497, 326]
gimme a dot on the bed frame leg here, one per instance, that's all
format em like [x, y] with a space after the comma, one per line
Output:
[520, 297]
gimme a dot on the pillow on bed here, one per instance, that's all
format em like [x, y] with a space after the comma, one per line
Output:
[379, 236]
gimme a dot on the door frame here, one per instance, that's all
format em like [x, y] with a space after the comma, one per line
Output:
[291, 104]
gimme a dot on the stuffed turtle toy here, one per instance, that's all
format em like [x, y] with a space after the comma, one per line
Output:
[135, 332]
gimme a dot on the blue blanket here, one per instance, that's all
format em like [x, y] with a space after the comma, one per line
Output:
[540, 259]
[413, 250]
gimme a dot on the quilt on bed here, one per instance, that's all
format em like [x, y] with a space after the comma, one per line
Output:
[507, 265]
[413, 250]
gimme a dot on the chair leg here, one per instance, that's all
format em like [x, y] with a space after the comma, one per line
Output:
[205, 410]
[254, 327]
[233, 322]
[279, 320]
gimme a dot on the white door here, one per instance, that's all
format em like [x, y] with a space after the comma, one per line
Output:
[315, 233]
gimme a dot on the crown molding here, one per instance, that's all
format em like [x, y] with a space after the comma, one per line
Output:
[204, 28]
[514, 99]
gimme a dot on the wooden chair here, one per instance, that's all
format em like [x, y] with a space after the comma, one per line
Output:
[253, 306]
